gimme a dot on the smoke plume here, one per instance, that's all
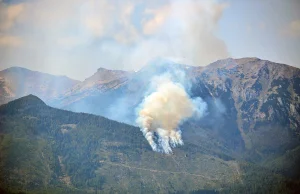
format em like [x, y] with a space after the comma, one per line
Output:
[162, 111]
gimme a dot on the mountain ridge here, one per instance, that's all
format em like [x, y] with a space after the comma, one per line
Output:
[82, 149]
[18, 81]
[44, 149]
[261, 100]
[256, 94]
[19, 68]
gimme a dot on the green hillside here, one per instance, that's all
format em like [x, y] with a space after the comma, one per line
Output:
[47, 150]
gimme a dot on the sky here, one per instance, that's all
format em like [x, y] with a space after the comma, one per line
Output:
[76, 37]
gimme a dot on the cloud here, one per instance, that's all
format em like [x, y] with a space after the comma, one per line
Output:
[9, 15]
[292, 29]
[113, 34]
[9, 41]
[181, 29]
[158, 18]
[69, 42]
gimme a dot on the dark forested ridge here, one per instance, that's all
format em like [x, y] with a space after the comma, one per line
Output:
[48, 150]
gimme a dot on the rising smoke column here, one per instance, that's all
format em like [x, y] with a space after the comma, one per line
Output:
[161, 112]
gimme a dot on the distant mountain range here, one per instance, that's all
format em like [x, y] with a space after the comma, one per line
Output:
[255, 102]
[102, 81]
[16, 82]
[48, 150]
[248, 140]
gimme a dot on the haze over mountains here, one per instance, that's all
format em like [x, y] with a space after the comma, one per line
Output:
[16, 82]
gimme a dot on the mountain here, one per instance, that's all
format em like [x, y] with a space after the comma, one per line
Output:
[256, 101]
[252, 119]
[102, 81]
[48, 150]
[16, 82]
[261, 98]
[123, 92]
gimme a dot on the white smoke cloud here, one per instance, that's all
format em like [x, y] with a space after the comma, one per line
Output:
[162, 111]
[200, 107]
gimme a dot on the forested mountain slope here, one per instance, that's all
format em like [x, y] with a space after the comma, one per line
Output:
[47, 150]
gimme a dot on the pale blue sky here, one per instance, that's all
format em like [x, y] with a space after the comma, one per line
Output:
[75, 37]
[261, 29]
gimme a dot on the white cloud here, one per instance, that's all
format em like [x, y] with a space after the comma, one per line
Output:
[184, 29]
[115, 34]
[157, 19]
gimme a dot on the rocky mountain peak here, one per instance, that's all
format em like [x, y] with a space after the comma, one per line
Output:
[246, 60]
[106, 75]
[101, 81]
